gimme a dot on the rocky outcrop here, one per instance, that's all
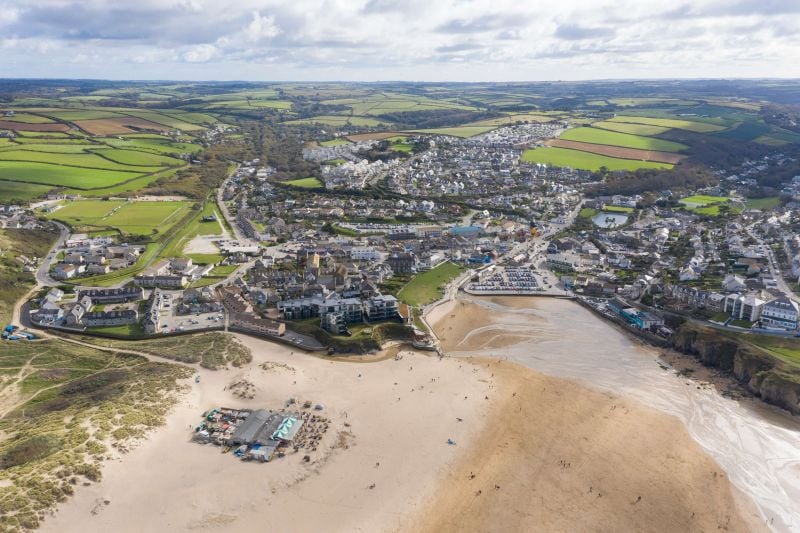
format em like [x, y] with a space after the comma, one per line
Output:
[766, 376]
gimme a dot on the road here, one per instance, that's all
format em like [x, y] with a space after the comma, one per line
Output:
[43, 274]
[777, 274]
[226, 213]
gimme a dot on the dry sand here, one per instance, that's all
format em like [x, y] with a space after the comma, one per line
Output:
[169, 483]
[390, 424]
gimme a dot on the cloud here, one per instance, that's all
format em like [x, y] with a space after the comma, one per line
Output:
[386, 39]
[261, 28]
[574, 32]
[482, 24]
[201, 53]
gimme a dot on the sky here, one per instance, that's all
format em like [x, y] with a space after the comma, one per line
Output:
[411, 40]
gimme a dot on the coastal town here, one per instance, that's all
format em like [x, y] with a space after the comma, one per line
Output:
[295, 297]
[300, 262]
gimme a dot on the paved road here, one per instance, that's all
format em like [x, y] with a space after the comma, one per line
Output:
[43, 274]
[774, 267]
[226, 213]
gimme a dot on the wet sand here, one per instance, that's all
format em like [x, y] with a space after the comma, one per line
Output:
[757, 446]
[560, 457]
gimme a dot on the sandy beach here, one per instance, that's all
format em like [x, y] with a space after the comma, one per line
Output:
[391, 422]
[531, 453]
[560, 457]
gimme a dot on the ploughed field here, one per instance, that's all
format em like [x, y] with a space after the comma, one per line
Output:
[618, 151]
[584, 160]
[94, 151]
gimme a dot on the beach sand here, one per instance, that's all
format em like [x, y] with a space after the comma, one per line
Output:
[565, 457]
[559, 457]
[171, 484]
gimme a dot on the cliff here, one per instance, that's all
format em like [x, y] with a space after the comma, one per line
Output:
[763, 374]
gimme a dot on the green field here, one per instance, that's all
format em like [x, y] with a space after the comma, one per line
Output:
[458, 131]
[617, 209]
[154, 143]
[306, 183]
[336, 120]
[74, 177]
[704, 205]
[27, 119]
[562, 157]
[427, 287]
[92, 161]
[138, 158]
[13, 190]
[82, 114]
[689, 125]
[626, 140]
[385, 103]
[124, 187]
[700, 200]
[144, 218]
[49, 148]
[135, 218]
[770, 202]
[87, 212]
[512, 119]
[400, 144]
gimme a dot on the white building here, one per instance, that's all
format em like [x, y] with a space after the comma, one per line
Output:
[780, 313]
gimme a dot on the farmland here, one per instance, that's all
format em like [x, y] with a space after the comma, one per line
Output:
[457, 131]
[625, 140]
[633, 129]
[80, 163]
[133, 218]
[562, 157]
[618, 152]
[336, 120]
[699, 127]
[85, 160]
[385, 103]
[24, 126]
[63, 176]
[117, 126]
[13, 190]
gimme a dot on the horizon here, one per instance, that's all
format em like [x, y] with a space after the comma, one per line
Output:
[401, 81]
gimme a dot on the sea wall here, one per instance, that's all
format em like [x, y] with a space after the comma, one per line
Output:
[764, 375]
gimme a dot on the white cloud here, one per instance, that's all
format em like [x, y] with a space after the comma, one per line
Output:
[261, 28]
[8, 15]
[374, 39]
[201, 53]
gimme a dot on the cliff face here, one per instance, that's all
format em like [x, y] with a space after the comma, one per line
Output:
[763, 375]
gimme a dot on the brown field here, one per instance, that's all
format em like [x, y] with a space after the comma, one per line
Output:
[375, 136]
[23, 126]
[618, 151]
[117, 126]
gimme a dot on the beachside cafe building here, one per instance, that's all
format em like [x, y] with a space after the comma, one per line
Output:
[263, 432]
